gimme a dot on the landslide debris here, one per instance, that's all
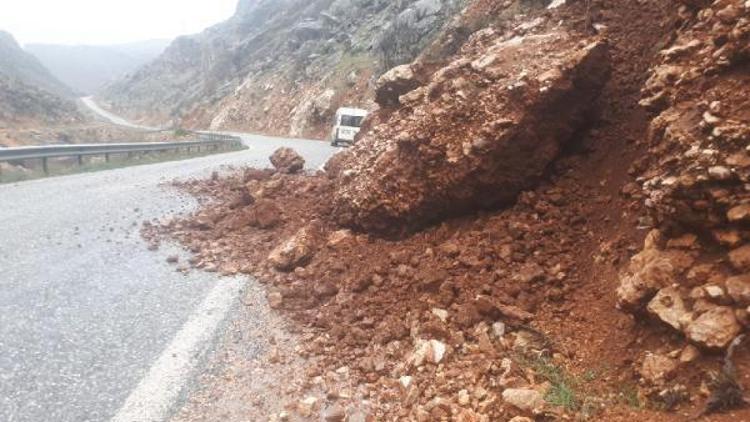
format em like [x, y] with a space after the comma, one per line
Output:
[482, 129]
[587, 297]
[694, 179]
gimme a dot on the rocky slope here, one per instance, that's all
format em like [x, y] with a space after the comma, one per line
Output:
[280, 67]
[29, 94]
[613, 287]
[88, 68]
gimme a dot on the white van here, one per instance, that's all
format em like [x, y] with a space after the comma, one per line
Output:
[347, 124]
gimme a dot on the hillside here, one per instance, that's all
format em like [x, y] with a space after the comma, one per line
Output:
[17, 64]
[88, 68]
[29, 94]
[280, 67]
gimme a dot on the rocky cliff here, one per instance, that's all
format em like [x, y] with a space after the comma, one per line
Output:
[280, 67]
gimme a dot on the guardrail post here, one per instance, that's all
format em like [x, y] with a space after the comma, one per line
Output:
[45, 167]
[106, 158]
[80, 160]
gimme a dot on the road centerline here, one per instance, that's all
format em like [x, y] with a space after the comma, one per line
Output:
[158, 392]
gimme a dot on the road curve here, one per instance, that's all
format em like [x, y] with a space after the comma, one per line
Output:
[85, 309]
[112, 118]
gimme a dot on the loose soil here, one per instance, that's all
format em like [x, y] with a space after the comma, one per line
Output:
[547, 267]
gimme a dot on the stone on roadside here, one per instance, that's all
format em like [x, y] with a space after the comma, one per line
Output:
[648, 271]
[740, 258]
[286, 160]
[334, 413]
[669, 307]
[429, 351]
[657, 369]
[689, 354]
[295, 251]
[275, 300]
[739, 213]
[306, 406]
[526, 399]
[738, 288]
[393, 84]
[715, 328]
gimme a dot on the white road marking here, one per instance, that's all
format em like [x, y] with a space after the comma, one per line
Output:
[156, 395]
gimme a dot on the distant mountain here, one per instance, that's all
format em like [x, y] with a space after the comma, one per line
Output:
[88, 68]
[279, 66]
[29, 94]
[15, 63]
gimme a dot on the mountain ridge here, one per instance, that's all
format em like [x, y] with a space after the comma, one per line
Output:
[279, 67]
[88, 68]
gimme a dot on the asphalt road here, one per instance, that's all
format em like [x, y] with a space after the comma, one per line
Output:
[112, 118]
[85, 308]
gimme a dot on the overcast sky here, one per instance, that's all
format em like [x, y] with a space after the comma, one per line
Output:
[108, 21]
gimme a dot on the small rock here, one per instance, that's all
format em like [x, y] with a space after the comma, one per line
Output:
[689, 354]
[739, 213]
[687, 241]
[339, 237]
[405, 381]
[740, 258]
[498, 329]
[442, 314]
[738, 288]
[334, 413]
[715, 328]
[295, 251]
[432, 351]
[275, 300]
[648, 271]
[305, 407]
[669, 307]
[173, 259]
[525, 399]
[719, 173]
[521, 419]
[730, 238]
[463, 397]
[714, 292]
[657, 369]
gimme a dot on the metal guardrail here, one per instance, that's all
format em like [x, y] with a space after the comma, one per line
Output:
[207, 141]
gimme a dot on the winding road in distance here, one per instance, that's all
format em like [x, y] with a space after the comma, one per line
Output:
[93, 326]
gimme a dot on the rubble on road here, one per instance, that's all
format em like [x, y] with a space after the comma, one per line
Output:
[287, 160]
[608, 282]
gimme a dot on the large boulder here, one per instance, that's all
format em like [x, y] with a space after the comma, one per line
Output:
[393, 84]
[286, 160]
[484, 128]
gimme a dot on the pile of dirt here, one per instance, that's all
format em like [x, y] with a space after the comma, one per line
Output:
[503, 314]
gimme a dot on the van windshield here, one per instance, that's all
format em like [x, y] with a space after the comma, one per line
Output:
[352, 121]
